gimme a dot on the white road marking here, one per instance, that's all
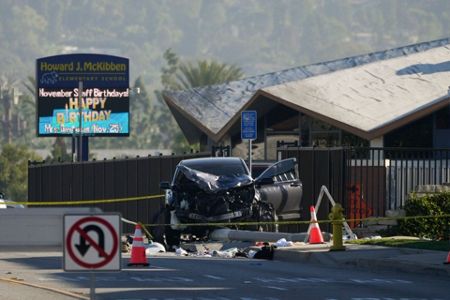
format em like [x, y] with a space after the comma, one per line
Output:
[201, 298]
[306, 280]
[276, 288]
[387, 298]
[117, 279]
[378, 280]
[214, 277]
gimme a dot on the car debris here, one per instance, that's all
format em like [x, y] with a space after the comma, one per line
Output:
[283, 243]
[264, 251]
[181, 252]
[154, 248]
[229, 253]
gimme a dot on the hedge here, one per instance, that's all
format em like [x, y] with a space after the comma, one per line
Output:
[428, 205]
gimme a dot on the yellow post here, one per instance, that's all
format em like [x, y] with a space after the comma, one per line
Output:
[337, 219]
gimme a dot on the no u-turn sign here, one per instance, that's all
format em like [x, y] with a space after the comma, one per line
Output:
[92, 242]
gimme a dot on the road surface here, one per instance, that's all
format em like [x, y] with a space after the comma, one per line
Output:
[183, 278]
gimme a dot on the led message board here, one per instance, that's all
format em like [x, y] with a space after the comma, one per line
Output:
[104, 101]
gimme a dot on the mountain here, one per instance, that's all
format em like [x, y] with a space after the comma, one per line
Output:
[259, 36]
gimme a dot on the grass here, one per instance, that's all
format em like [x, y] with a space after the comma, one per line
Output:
[406, 243]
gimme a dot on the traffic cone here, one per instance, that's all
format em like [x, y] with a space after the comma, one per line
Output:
[315, 235]
[138, 257]
[448, 259]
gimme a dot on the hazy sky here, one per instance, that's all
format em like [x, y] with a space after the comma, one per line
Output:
[258, 35]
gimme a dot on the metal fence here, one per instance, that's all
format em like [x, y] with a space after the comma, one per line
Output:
[368, 181]
[106, 179]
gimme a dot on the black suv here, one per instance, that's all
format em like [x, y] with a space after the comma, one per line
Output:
[220, 190]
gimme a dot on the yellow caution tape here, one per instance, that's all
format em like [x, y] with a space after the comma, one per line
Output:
[298, 222]
[82, 202]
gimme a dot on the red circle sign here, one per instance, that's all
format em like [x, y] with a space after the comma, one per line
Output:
[107, 257]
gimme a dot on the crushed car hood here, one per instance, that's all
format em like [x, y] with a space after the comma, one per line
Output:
[211, 183]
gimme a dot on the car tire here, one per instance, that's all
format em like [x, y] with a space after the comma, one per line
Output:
[266, 213]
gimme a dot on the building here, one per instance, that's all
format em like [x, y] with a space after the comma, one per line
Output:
[392, 98]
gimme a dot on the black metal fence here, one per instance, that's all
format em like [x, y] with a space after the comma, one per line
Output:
[221, 151]
[107, 179]
[368, 181]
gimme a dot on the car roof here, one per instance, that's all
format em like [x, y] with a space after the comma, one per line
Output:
[210, 160]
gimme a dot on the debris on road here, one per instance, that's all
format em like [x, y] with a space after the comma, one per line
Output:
[266, 252]
[181, 252]
[283, 243]
[154, 248]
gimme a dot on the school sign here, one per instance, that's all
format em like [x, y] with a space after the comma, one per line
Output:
[104, 96]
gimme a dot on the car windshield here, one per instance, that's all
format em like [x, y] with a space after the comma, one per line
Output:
[219, 167]
[278, 168]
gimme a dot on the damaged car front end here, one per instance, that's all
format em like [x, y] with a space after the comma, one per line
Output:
[199, 197]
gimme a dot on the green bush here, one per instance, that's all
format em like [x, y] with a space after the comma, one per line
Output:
[428, 205]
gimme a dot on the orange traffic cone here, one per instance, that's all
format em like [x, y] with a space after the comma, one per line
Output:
[448, 259]
[138, 257]
[315, 235]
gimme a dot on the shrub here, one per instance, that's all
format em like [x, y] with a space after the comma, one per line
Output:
[428, 205]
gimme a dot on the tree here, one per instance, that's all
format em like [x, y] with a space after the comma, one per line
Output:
[142, 116]
[59, 148]
[186, 75]
[17, 113]
[179, 75]
[59, 151]
[141, 122]
[14, 171]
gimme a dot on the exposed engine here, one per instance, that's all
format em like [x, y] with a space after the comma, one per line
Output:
[214, 204]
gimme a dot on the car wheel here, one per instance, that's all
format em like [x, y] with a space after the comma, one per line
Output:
[165, 234]
[266, 213]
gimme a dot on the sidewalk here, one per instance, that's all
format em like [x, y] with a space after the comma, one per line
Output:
[373, 257]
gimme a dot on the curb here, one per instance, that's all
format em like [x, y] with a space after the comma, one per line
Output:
[46, 288]
[388, 259]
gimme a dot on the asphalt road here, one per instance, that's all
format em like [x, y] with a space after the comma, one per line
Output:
[183, 278]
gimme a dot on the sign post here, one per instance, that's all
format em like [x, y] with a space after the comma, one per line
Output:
[80, 120]
[249, 131]
[92, 243]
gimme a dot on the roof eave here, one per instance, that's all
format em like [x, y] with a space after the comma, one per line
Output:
[169, 101]
[368, 135]
[419, 113]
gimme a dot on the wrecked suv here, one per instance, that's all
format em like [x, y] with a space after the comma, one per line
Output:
[221, 190]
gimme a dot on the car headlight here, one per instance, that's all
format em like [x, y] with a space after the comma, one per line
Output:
[169, 197]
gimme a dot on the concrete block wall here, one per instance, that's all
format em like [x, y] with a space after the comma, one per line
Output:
[28, 227]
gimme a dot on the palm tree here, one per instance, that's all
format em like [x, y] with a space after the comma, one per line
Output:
[206, 73]
[186, 75]
[178, 75]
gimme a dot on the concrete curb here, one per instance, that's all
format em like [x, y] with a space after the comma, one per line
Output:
[373, 257]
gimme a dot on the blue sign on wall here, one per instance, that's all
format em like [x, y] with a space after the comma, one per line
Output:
[104, 100]
[248, 125]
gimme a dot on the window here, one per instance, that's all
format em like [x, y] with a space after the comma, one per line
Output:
[443, 118]
[416, 134]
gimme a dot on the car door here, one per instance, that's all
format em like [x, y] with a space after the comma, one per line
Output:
[279, 185]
